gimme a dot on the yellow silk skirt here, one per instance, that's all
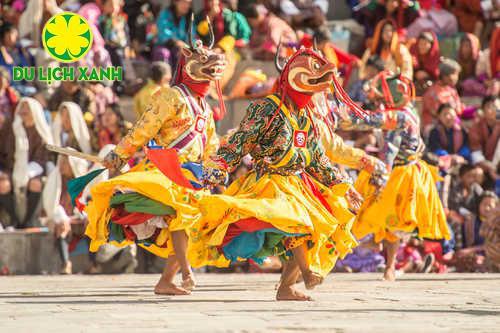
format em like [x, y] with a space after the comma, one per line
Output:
[288, 205]
[146, 180]
[410, 200]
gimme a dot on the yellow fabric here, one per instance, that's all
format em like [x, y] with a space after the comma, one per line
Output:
[410, 200]
[147, 180]
[165, 119]
[284, 202]
[143, 97]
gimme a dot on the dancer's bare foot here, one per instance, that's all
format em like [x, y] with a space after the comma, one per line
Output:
[389, 274]
[188, 283]
[168, 288]
[312, 279]
[290, 294]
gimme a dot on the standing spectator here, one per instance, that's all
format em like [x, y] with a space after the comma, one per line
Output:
[267, 29]
[224, 21]
[448, 137]
[386, 45]
[73, 91]
[443, 91]
[160, 76]
[468, 55]
[24, 159]
[114, 29]
[97, 56]
[488, 65]
[484, 135]
[33, 19]
[425, 56]
[172, 25]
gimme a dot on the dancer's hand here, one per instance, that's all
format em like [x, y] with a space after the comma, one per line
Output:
[354, 199]
[113, 162]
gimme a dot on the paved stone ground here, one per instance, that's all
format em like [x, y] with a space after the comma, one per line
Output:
[245, 303]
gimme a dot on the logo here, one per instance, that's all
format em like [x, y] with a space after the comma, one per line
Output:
[299, 138]
[199, 124]
[67, 37]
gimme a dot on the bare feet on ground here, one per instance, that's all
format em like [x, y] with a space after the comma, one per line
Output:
[168, 288]
[312, 279]
[389, 274]
[188, 283]
[291, 294]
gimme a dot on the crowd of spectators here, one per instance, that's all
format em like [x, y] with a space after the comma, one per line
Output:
[449, 48]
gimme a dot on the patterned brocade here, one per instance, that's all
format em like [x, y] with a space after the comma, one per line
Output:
[168, 117]
[272, 147]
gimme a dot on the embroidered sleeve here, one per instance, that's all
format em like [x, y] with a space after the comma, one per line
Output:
[245, 138]
[323, 170]
[163, 107]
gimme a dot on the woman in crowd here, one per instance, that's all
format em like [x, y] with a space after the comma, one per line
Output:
[112, 129]
[386, 45]
[442, 92]
[114, 29]
[448, 137]
[24, 162]
[468, 55]
[172, 25]
[70, 129]
[425, 55]
[8, 98]
[224, 21]
[471, 257]
[488, 65]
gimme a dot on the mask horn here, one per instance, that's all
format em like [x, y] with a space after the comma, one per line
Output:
[192, 43]
[315, 44]
[277, 63]
[210, 34]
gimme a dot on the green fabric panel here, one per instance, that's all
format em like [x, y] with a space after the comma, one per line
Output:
[77, 185]
[137, 203]
[272, 246]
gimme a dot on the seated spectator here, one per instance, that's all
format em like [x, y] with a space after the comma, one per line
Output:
[471, 14]
[160, 76]
[488, 65]
[344, 61]
[73, 91]
[366, 258]
[114, 29]
[8, 98]
[24, 161]
[224, 22]
[58, 206]
[490, 231]
[448, 137]
[12, 55]
[358, 91]
[172, 25]
[484, 134]
[471, 257]
[468, 54]
[267, 31]
[403, 13]
[443, 91]
[103, 95]
[425, 56]
[385, 44]
[70, 129]
[113, 127]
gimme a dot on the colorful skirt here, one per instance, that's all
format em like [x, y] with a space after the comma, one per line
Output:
[141, 206]
[260, 217]
[409, 201]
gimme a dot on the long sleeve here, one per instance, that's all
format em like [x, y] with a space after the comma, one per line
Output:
[407, 63]
[392, 142]
[435, 143]
[323, 170]
[163, 107]
[244, 139]
[167, 29]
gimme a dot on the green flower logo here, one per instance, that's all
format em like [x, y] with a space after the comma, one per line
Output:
[67, 37]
